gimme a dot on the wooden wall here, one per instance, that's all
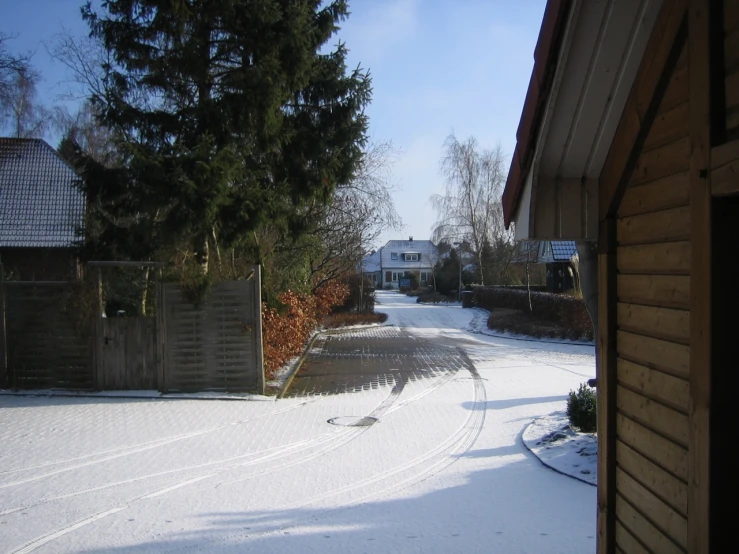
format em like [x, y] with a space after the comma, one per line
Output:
[731, 60]
[653, 231]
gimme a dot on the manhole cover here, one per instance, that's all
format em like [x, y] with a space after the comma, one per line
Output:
[353, 421]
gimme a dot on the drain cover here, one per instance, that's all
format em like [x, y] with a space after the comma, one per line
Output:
[353, 421]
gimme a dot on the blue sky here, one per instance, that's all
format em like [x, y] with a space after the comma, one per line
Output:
[437, 66]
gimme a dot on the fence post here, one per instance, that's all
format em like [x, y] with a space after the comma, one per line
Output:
[258, 328]
[161, 336]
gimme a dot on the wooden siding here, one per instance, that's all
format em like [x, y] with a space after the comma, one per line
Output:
[731, 61]
[653, 260]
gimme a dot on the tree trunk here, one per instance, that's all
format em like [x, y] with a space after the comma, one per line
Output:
[203, 256]
[144, 290]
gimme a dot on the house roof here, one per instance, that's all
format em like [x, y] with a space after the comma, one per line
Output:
[542, 76]
[371, 262]
[535, 252]
[41, 204]
[563, 250]
[425, 248]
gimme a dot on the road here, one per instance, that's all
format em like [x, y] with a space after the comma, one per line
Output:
[417, 451]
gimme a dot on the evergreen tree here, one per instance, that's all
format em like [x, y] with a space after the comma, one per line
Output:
[231, 114]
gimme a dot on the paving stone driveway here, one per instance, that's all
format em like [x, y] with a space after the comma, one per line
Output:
[358, 360]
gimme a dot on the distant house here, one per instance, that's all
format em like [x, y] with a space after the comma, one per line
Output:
[41, 212]
[398, 259]
[557, 255]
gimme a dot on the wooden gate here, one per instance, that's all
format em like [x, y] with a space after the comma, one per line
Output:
[126, 353]
[216, 346]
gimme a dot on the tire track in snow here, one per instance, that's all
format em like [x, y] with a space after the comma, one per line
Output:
[349, 435]
[133, 449]
[447, 452]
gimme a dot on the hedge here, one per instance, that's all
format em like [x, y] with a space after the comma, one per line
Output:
[565, 311]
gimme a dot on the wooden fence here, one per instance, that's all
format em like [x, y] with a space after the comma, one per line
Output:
[216, 346]
[46, 341]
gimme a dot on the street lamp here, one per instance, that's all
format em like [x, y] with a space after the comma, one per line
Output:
[459, 255]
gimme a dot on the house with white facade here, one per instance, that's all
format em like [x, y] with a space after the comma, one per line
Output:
[398, 259]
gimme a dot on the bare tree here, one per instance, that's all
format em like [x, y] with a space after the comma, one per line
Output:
[22, 110]
[86, 58]
[355, 217]
[470, 210]
[10, 67]
[84, 131]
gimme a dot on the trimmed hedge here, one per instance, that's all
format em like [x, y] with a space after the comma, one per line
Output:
[562, 310]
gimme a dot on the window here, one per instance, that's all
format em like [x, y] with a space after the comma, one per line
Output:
[393, 256]
[411, 257]
[395, 276]
[374, 278]
[424, 276]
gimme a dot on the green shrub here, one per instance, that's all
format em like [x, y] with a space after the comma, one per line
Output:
[581, 409]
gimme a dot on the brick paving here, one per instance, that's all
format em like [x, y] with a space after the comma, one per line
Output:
[367, 359]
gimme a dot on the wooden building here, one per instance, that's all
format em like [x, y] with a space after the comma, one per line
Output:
[629, 141]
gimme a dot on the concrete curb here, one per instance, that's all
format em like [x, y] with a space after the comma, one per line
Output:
[545, 464]
[294, 371]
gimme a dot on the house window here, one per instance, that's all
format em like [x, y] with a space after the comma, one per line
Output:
[411, 257]
[395, 276]
[388, 276]
[393, 256]
[424, 276]
[374, 278]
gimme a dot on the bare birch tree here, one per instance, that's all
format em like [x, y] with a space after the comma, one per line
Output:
[470, 209]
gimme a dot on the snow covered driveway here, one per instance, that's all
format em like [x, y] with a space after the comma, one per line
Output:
[442, 469]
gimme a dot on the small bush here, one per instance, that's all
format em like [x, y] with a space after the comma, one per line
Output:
[581, 409]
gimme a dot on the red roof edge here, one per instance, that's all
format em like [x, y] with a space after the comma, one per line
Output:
[545, 64]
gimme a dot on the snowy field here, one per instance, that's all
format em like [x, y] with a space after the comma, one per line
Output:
[443, 470]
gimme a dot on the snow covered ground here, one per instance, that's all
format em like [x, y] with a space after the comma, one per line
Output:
[443, 470]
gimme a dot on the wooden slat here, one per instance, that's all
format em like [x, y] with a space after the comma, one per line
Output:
[699, 68]
[671, 391]
[725, 169]
[662, 226]
[668, 291]
[663, 161]
[653, 415]
[666, 486]
[642, 528]
[667, 520]
[626, 543]
[668, 357]
[670, 125]
[655, 259]
[661, 323]
[663, 194]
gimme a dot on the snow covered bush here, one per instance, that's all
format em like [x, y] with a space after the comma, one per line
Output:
[581, 409]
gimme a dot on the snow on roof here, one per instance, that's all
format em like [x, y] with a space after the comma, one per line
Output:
[425, 248]
[371, 262]
[40, 202]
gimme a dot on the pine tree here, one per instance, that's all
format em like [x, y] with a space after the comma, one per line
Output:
[230, 112]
